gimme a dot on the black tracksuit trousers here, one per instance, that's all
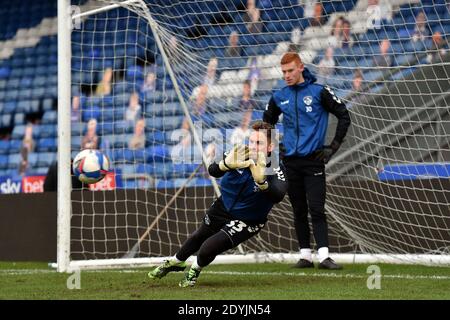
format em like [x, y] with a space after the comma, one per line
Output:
[307, 192]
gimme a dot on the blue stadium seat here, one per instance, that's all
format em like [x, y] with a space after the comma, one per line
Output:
[117, 155]
[201, 182]
[165, 184]
[39, 81]
[77, 128]
[179, 182]
[145, 168]
[38, 93]
[122, 126]
[28, 106]
[22, 106]
[121, 95]
[76, 142]
[161, 170]
[157, 153]
[41, 70]
[127, 169]
[47, 104]
[107, 141]
[32, 160]
[166, 109]
[36, 131]
[5, 72]
[134, 73]
[107, 114]
[14, 161]
[105, 128]
[219, 105]
[5, 121]
[9, 107]
[38, 171]
[15, 145]
[184, 169]
[3, 162]
[119, 113]
[88, 113]
[51, 91]
[42, 60]
[4, 146]
[164, 123]
[121, 140]
[129, 156]
[45, 159]
[15, 72]
[48, 130]
[156, 137]
[47, 145]
[161, 96]
[257, 114]
[18, 132]
[19, 118]
[13, 83]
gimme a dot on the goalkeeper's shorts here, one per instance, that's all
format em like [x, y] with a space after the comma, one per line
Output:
[238, 231]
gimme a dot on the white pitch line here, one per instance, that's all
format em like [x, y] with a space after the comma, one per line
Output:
[326, 275]
[235, 273]
[15, 272]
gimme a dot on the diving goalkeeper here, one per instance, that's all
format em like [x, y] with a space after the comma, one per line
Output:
[250, 187]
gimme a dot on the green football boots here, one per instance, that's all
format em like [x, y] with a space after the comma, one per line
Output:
[190, 278]
[166, 267]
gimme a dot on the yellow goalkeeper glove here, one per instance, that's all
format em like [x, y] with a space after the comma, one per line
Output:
[258, 170]
[237, 158]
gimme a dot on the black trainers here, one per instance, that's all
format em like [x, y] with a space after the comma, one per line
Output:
[303, 263]
[329, 264]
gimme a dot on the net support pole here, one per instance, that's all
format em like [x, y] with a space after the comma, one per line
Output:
[64, 133]
[154, 27]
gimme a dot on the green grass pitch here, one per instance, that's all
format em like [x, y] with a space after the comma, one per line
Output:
[269, 281]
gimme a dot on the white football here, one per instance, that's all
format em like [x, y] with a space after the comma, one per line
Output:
[90, 166]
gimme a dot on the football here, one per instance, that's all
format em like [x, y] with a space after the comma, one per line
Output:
[90, 166]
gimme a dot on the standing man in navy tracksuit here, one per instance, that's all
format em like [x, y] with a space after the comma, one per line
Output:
[305, 107]
[250, 187]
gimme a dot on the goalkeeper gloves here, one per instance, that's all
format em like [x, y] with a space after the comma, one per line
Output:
[237, 158]
[327, 152]
[258, 170]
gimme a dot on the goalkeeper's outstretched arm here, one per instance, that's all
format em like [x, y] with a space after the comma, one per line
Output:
[214, 170]
[277, 186]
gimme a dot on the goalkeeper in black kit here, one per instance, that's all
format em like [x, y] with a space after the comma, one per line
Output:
[250, 186]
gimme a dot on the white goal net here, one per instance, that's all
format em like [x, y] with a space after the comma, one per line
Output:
[154, 83]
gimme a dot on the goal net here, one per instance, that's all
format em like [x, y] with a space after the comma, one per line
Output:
[154, 84]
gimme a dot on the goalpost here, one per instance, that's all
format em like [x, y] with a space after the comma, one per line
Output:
[388, 187]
